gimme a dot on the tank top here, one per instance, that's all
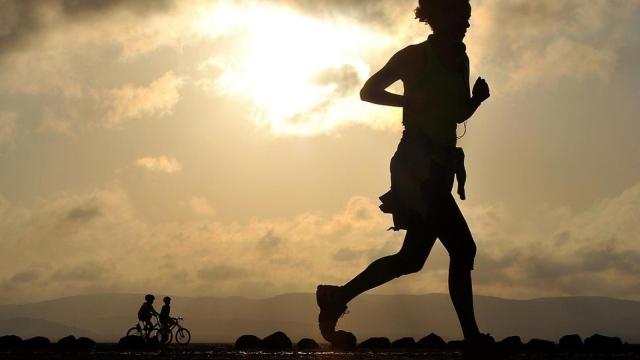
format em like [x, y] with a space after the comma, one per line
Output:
[447, 89]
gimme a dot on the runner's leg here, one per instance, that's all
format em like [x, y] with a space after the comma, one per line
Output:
[455, 235]
[414, 252]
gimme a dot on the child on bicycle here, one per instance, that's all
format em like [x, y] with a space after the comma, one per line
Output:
[165, 313]
[147, 311]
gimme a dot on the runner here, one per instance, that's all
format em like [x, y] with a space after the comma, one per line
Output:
[435, 75]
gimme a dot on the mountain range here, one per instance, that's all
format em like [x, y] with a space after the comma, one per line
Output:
[106, 317]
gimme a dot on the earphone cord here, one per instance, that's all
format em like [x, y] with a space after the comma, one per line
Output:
[464, 132]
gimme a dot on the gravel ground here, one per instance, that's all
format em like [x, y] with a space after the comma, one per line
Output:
[224, 352]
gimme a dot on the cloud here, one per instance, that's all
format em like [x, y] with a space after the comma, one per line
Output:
[345, 79]
[537, 43]
[45, 45]
[24, 277]
[269, 242]
[347, 254]
[75, 8]
[84, 213]
[83, 272]
[55, 122]
[305, 90]
[592, 252]
[130, 102]
[23, 22]
[166, 164]
[7, 127]
[221, 273]
[201, 206]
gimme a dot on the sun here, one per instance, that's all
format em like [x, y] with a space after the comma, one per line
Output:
[301, 74]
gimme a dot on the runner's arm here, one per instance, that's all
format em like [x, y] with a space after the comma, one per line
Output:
[375, 89]
[480, 94]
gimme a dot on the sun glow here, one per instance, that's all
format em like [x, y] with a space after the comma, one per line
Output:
[301, 74]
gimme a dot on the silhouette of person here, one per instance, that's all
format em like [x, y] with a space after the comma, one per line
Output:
[165, 313]
[435, 75]
[146, 311]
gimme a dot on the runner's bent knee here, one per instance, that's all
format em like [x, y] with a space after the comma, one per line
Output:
[407, 263]
[462, 258]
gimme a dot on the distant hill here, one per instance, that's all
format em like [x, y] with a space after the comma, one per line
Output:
[212, 319]
[27, 327]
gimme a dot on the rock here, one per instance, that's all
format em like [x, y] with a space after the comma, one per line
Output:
[570, 342]
[601, 343]
[403, 344]
[456, 344]
[246, 342]
[540, 345]
[71, 343]
[152, 343]
[343, 341]
[278, 341]
[131, 342]
[308, 344]
[67, 343]
[511, 343]
[36, 343]
[375, 343]
[431, 341]
[85, 343]
[9, 342]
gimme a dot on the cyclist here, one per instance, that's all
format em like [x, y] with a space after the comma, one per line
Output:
[165, 313]
[147, 311]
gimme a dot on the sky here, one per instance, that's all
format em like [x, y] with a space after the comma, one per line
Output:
[220, 148]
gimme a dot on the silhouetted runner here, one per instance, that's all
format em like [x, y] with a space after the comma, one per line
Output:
[436, 98]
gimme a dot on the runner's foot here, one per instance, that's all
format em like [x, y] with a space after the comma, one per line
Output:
[481, 342]
[332, 307]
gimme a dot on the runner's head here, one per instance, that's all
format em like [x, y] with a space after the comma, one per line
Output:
[449, 19]
[149, 298]
[167, 300]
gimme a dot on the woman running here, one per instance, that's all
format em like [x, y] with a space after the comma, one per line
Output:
[435, 75]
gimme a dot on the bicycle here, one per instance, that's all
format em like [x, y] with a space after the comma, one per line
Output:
[148, 333]
[182, 334]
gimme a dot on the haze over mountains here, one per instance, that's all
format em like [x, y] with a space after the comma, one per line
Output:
[107, 317]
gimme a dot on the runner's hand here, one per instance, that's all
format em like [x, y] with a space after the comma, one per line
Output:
[481, 90]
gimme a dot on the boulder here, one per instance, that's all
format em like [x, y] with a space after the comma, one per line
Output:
[247, 342]
[9, 342]
[455, 344]
[36, 343]
[67, 343]
[85, 343]
[511, 343]
[131, 342]
[570, 342]
[403, 343]
[375, 343]
[308, 344]
[431, 341]
[540, 345]
[601, 343]
[343, 341]
[278, 341]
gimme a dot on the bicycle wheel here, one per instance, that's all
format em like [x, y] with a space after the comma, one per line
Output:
[134, 331]
[183, 336]
[154, 336]
[165, 336]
